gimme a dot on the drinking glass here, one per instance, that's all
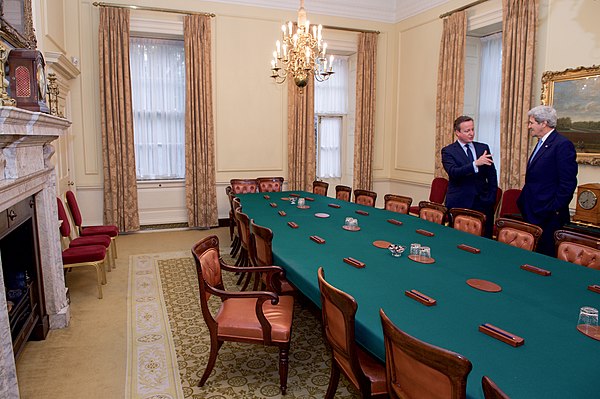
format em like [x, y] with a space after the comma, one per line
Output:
[415, 249]
[425, 252]
[353, 222]
[292, 201]
[588, 319]
[301, 202]
[347, 221]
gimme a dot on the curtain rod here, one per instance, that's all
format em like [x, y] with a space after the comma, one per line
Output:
[145, 8]
[350, 29]
[447, 14]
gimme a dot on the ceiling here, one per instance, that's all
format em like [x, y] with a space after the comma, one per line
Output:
[389, 11]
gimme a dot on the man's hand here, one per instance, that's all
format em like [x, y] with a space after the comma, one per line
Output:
[485, 159]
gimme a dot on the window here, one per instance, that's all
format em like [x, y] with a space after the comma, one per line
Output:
[158, 97]
[331, 110]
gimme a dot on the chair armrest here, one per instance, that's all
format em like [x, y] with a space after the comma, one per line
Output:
[274, 274]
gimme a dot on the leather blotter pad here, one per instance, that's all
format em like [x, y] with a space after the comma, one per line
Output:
[595, 288]
[394, 221]
[334, 205]
[309, 198]
[364, 213]
[293, 225]
[294, 195]
[273, 205]
[267, 196]
[536, 270]
[502, 335]
[354, 262]
[469, 248]
[282, 213]
[317, 239]
[425, 232]
[420, 297]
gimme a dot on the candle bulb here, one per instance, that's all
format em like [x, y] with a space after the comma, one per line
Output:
[278, 45]
[290, 28]
[272, 64]
[283, 29]
[314, 31]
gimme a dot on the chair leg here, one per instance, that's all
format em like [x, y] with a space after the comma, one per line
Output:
[113, 241]
[235, 246]
[99, 274]
[283, 367]
[334, 378]
[215, 345]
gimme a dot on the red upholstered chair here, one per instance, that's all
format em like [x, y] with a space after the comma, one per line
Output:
[467, 220]
[437, 193]
[365, 197]
[518, 234]
[343, 192]
[432, 212]
[270, 184]
[508, 204]
[109, 230]
[366, 373]
[578, 248]
[243, 186]
[416, 369]
[320, 188]
[256, 317]
[491, 390]
[396, 203]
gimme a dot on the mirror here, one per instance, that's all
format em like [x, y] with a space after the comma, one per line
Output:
[16, 23]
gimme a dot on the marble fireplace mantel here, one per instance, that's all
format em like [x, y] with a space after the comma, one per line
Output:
[26, 170]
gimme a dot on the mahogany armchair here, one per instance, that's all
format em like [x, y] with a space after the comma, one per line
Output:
[320, 188]
[491, 390]
[243, 186]
[365, 197]
[432, 212]
[255, 317]
[437, 193]
[270, 184]
[343, 192]
[468, 220]
[518, 234]
[578, 248]
[396, 203]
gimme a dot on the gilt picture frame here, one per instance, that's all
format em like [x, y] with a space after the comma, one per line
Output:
[575, 94]
[16, 23]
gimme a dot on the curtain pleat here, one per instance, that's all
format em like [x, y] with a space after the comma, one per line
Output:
[118, 151]
[200, 179]
[301, 136]
[518, 48]
[450, 83]
[365, 110]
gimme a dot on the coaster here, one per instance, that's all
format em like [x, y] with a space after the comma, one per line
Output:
[382, 244]
[420, 259]
[303, 207]
[592, 331]
[322, 215]
[484, 285]
[351, 228]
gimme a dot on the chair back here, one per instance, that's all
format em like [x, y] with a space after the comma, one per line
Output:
[262, 238]
[74, 208]
[243, 186]
[208, 269]
[432, 212]
[338, 311]
[497, 201]
[397, 203]
[243, 223]
[65, 226]
[343, 192]
[508, 204]
[578, 248]
[439, 186]
[320, 188]
[270, 184]
[491, 390]
[468, 220]
[518, 234]
[365, 197]
[416, 369]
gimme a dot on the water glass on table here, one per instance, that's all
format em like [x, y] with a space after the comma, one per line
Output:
[425, 252]
[588, 319]
[301, 202]
[415, 249]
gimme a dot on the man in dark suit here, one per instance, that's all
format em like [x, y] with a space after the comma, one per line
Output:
[550, 179]
[472, 180]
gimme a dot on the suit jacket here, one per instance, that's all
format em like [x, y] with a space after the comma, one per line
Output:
[550, 182]
[467, 189]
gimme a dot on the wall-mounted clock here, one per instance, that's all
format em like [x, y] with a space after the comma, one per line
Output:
[588, 203]
[28, 79]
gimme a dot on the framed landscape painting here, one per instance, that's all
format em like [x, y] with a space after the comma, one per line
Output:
[575, 94]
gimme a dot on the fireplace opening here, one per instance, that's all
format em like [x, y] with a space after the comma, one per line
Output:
[23, 282]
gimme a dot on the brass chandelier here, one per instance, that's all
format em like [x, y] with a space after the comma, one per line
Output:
[301, 53]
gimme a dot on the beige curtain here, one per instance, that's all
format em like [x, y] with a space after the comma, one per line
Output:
[200, 179]
[518, 48]
[302, 155]
[450, 83]
[120, 183]
[364, 130]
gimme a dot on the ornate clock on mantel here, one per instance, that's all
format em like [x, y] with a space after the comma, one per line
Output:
[27, 79]
[588, 203]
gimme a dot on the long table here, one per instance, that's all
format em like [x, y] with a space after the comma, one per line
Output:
[556, 360]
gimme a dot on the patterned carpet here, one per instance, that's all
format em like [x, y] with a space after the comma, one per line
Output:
[241, 370]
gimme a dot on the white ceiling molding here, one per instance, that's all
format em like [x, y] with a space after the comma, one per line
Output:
[483, 20]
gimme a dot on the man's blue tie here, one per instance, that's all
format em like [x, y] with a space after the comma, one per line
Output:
[469, 153]
[537, 148]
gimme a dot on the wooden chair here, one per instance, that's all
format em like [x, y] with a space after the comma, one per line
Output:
[578, 248]
[245, 258]
[365, 197]
[262, 317]
[361, 369]
[518, 234]
[270, 184]
[397, 203]
[416, 369]
[236, 244]
[243, 186]
[491, 390]
[468, 220]
[433, 212]
[343, 193]
[437, 193]
[320, 188]
[508, 204]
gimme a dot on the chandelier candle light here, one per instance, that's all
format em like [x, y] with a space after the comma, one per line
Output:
[302, 53]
